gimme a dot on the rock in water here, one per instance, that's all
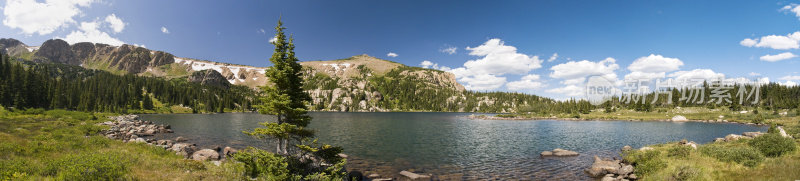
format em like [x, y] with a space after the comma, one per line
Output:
[546, 153]
[601, 167]
[559, 152]
[679, 118]
[413, 176]
[205, 154]
[627, 148]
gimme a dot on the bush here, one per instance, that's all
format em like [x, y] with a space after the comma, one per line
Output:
[103, 166]
[685, 172]
[261, 163]
[679, 151]
[646, 162]
[773, 144]
[744, 155]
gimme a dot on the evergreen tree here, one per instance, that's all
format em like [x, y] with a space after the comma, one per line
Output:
[285, 97]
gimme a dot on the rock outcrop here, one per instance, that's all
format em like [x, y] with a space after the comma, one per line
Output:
[56, 51]
[209, 77]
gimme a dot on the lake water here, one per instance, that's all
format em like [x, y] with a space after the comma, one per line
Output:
[451, 145]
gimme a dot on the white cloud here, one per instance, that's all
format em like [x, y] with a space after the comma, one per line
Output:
[42, 18]
[655, 63]
[778, 57]
[428, 64]
[449, 50]
[498, 59]
[697, 74]
[483, 82]
[794, 8]
[115, 23]
[391, 54]
[748, 42]
[164, 30]
[779, 42]
[527, 82]
[788, 83]
[792, 77]
[553, 57]
[273, 39]
[262, 31]
[568, 90]
[574, 72]
[89, 32]
[652, 67]
[754, 74]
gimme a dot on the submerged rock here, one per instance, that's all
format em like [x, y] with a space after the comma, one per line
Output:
[413, 176]
[559, 152]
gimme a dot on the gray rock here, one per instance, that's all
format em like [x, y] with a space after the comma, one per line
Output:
[679, 118]
[413, 176]
[627, 148]
[546, 153]
[180, 139]
[601, 167]
[732, 137]
[752, 134]
[205, 154]
[625, 170]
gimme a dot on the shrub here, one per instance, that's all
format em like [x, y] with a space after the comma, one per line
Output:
[747, 156]
[103, 166]
[773, 145]
[261, 163]
[685, 172]
[646, 162]
[679, 151]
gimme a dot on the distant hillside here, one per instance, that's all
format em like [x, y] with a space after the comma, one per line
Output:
[358, 83]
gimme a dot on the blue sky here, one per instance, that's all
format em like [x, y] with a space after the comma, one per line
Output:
[510, 42]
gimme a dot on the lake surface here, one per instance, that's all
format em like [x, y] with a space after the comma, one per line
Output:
[451, 145]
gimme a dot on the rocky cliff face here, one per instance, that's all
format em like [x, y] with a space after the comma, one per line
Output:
[13, 47]
[56, 51]
[209, 77]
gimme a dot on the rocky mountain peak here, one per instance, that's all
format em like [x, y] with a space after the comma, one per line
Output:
[56, 50]
[209, 77]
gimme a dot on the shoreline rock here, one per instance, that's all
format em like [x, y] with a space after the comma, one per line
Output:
[558, 152]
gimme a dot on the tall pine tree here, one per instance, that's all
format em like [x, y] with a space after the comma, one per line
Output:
[284, 97]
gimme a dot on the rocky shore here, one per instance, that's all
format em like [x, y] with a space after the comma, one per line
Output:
[129, 129]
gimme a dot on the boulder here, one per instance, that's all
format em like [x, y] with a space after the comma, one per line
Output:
[679, 118]
[180, 139]
[719, 140]
[625, 170]
[627, 148]
[205, 154]
[559, 152]
[752, 134]
[645, 149]
[633, 177]
[413, 176]
[783, 132]
[228, 151]
[732, 137]
[602, 167]
[373, 176]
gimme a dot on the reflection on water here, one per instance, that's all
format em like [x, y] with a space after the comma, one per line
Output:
[451, 145]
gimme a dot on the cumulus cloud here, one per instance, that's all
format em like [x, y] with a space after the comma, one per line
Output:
[391, 54]
[273, 39]
[793, 8]
[498, 59]
[483, 82]
[788, 83]
[754, 74]
[576, 72]
[553, 57]
[428, 64]
[115, 23]
[652, 67]
[569, 90]
[90, 32]
[778, 57]
[42, 17]
[779, 42]
[528, 82]
[495, 60]
[164, 30]
[790, 77]
[449, 50]
[697, 74]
